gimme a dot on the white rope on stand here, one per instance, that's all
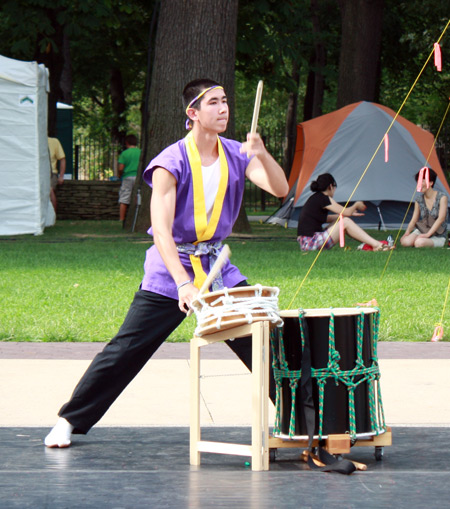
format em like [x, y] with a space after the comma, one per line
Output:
[228, 306]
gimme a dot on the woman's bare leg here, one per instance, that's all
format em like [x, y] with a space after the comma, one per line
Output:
[423, 242]
[355, 232]
[408, 240]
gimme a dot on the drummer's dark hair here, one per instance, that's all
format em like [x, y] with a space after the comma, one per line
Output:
[322, 183]
[433, 176]
[194, 88]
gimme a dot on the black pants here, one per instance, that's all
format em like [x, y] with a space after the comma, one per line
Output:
[150, 320]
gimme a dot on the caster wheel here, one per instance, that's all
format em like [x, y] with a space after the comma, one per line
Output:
[379, 453]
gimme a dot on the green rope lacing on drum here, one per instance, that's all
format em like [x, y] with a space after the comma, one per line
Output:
[374, 379]
[293, 385]
[280, 371]
[369, 374]
[376, 330]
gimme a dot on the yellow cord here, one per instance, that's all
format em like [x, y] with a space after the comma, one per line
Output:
[370, 162]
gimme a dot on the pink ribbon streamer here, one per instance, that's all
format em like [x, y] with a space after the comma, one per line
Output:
[437, 57]
[386, 148]
[341, 231]
[425, 171]
[438, 333]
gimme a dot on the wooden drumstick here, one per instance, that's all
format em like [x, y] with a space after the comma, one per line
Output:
[315, 458]
[305, 455]
[216, 268]
[359, 466]
[256, 108]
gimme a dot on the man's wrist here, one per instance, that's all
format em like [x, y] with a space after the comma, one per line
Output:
[184, 283]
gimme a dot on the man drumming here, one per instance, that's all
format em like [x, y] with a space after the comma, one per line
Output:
[198, 185]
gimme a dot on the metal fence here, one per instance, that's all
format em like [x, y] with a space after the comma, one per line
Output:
[255, 199]
[95, 159]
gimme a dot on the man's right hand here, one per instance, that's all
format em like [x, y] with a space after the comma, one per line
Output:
[186, 294]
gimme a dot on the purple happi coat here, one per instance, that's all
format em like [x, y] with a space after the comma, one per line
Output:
[175, 160]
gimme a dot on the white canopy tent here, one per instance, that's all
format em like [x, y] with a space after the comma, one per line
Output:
[25, 205]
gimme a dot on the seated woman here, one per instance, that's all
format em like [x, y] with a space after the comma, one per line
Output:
[316, 212]
[428, 225]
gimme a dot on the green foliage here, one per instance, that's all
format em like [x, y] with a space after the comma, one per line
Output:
[93, 117]
[410, 30]
[103, 34]
[272, 111]
[119, 40]
[274, 39]
[76, 281]
[272, 35]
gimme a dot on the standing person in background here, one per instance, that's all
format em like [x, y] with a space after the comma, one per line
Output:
[128, 167]
[57, 157]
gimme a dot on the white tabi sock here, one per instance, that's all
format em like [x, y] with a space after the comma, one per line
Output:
[60, 435]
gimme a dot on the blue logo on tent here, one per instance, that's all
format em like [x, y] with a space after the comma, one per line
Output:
[26, 99]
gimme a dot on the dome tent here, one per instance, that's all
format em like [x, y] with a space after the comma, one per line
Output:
[342, 143]
[24, 160]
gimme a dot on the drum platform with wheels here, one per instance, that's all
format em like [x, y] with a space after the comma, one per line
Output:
[344, 380]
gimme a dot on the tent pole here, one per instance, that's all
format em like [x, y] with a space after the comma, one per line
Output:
[381, 219]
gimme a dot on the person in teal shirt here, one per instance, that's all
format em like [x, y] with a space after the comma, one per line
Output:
[128, 167]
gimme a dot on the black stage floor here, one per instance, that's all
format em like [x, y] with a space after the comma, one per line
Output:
[149, 468]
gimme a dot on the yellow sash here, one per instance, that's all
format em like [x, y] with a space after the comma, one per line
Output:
[203, 229]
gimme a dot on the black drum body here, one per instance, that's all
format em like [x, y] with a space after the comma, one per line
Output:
[344, 373]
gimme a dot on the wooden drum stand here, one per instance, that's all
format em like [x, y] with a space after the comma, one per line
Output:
[261, 444]
[258, 450]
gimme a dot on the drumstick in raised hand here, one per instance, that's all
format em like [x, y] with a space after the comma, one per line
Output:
[223, 257]
[254, 125]
[256, 107]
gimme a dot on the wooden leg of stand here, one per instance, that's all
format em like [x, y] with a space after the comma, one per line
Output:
[265, 401]
[257, 350]
[194, 436]
[260, 395]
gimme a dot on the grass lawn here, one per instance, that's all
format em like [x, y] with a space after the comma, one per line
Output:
[75, 282]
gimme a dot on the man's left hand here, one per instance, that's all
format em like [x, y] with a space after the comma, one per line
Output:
[254, 146]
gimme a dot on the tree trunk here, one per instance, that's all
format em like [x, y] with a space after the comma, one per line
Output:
[242, 224]
[360, 50]
[291, 123]
[315, 86]
[66, 81]
[319, 61]
[53, 58]
[308, 103]
[118, 104]
[202, 45]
